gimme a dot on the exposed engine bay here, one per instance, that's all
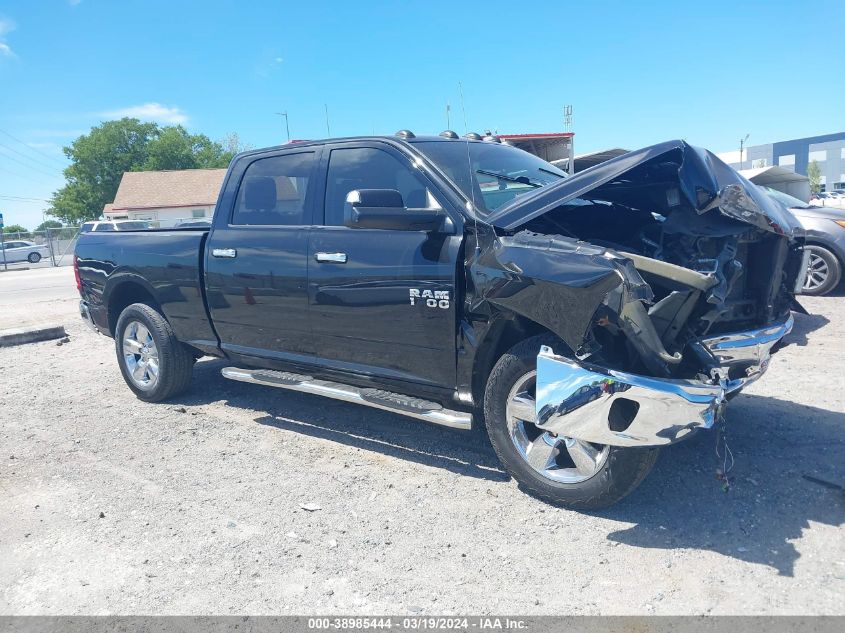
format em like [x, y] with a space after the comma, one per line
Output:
[711, 255]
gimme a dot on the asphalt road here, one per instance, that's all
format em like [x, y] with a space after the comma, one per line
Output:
[37, 296]
[236, 499]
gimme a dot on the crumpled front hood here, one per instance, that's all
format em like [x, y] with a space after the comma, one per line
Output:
[661, 178]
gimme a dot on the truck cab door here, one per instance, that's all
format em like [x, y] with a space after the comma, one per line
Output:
[256, 257]
[382, 301]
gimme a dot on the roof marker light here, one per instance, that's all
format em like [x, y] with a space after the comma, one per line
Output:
[448, 134]
[405, 134]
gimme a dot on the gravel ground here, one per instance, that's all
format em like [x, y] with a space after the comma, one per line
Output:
[236, 498]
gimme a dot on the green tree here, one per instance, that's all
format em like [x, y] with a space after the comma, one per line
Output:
[48, 224]
[100, 158]
[14, 228]
[174, 148]
[814, 173]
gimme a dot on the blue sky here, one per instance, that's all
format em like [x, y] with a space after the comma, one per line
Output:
[635, 72]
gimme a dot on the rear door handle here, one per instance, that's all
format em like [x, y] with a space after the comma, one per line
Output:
[334, 258]
[230, 253]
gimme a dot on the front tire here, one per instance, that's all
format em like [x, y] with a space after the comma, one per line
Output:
[561, 471]
[154, 364]
[34, 258]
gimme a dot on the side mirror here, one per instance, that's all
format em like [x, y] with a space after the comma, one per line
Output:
[385, 209]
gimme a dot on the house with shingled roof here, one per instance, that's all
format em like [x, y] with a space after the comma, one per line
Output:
[166, 198]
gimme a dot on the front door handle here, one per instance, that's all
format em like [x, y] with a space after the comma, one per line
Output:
[334, 258]
[230, 253]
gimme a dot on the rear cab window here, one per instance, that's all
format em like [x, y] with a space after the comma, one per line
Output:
[274, 191]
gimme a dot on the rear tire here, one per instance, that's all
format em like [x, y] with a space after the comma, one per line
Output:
[154, 364]
[824, 271]
[617, 471]
[34, 258]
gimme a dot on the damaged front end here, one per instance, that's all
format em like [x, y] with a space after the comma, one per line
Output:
[673, 305]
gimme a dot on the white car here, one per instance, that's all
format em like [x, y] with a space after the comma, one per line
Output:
[23, 251]
[115, 225]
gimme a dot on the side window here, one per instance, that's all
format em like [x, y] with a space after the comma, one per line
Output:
[273, 191]
[86, 228]
[104, 226]
[368, 168]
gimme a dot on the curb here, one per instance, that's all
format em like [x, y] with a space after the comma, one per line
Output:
[19, 336]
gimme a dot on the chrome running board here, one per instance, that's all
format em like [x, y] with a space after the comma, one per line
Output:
[376, 398]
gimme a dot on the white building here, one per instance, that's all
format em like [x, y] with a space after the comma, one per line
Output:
[166, 197]
[828, 151]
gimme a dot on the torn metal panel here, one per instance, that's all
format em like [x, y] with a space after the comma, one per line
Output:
[555, 281]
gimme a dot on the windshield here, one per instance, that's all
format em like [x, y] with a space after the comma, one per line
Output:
[785, 199]
[492, 174]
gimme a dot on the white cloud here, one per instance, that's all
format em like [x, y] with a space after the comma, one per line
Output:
[6, 26]
[150, 112]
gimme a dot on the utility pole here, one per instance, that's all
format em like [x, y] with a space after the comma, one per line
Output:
[567, 126]
[287, 126]
[2, 242]
[742, 142]
[328, 129]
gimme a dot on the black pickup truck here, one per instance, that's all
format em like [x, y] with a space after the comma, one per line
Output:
[587, 320]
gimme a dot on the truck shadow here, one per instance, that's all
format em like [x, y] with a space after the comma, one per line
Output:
[351, 425]
[679, 505]
[761, 518]
[804, 325]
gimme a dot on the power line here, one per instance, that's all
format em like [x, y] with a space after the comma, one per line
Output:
[29, 158]
[23, 164]
[12, 172]
[23, 198]
[29, 147]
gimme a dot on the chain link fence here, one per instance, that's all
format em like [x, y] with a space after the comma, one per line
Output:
[57, 246]
[60, 243]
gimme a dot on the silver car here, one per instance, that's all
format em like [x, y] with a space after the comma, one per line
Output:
[23, 251]
[825, 227]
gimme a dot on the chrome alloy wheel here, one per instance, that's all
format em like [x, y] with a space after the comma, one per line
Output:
[140, 355]
[817, 270]
[561, 459]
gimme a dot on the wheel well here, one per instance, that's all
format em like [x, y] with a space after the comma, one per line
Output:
[505, 333]
[124, 295]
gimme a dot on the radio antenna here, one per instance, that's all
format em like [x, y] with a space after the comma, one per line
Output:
[469, 170]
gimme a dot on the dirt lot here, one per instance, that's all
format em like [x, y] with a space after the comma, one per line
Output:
[111, 505]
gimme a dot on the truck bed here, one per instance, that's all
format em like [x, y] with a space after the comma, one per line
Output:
[118, 268]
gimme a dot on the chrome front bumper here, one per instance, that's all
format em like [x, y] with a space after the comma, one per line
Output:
[605, 406]
[744, 356]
